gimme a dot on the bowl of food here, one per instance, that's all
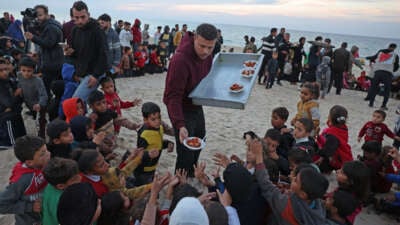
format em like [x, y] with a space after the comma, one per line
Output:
[248, 73]
[194, 143]
[236, 88]
[250, 63]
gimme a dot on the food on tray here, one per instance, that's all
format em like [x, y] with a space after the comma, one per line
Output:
[236, 87]
[247, 72]
[250, 63]
[194, 142]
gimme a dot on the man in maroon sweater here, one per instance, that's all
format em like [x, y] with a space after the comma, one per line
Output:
[190, 64]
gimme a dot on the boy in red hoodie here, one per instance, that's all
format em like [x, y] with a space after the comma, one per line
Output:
[26, 184]
[113, 101]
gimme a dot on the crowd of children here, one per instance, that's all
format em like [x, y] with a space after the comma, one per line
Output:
[282, 180]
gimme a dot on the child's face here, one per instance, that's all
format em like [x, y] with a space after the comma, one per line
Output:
[140, 48]
[40, 158]
[90, 132]
[305, 94]
[300, 131]
[99, 106]
[276, 121]
[3, 71]
[108, 87]
[153, 120]
[80, 109]
[101, 166]
[27, 72]
[295, 187]
[341, 177]
[163, 45]
[66, 137]
[274, 55]
[272, 144]
[377, 118]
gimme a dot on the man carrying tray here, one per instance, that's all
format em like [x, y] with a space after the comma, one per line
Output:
[191, 62]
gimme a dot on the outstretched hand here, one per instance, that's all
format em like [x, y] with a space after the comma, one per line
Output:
[221, 160]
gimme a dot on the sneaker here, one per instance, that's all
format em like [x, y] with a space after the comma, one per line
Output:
[279, 83]
[371, 105]
[384, 108]
[366, 99]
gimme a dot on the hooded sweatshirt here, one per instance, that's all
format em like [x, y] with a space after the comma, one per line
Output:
[14, 31]
[137, 34]
[289, 209]
[90, 45]
[52, 54]
[68, 72]
[70, 108]
[185, 72]
[25, 186]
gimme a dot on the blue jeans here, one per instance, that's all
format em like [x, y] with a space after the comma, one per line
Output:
[83, 91]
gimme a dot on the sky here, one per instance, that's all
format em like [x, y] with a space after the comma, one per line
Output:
[380, 18]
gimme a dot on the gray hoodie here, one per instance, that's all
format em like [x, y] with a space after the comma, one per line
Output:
[285, 207]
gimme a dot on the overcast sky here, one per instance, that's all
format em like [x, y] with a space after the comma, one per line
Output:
[360, 17]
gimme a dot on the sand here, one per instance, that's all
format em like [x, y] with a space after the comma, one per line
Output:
[225, 127]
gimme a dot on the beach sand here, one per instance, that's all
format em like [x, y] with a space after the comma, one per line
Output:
[225, 127]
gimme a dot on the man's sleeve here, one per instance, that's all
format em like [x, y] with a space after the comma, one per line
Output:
[10, 198]
[175, 84]
[101, 53]
[43, 98]
[49, 38]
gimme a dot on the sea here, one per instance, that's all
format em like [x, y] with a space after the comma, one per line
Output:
[233, 35]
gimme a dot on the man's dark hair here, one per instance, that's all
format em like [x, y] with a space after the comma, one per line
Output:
[184, 25]
[372, 147]
[281, 112]
[273, 134]
[327, 40]
[381, 112]
[207, 31]
[79, 6]
[60, 170]
[45, 8]
[313, 183]
[149, 108]
[274, 30]
[216, 213]
[95, 96]
[393, 45]
[55, 128]
[126, 23]
[27, 62]
[159, 27]
[252, 39]
[318, 38]
[120, 21]
[26, 147]
[105, 17]
[307, 123]
[344, 45]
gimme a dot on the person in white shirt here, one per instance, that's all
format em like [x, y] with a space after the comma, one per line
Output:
[125, 36]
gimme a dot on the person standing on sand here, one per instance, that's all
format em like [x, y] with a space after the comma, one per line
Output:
[386, 63]
[341, 59]
[268, 46]
[88, 50]
[189, 65]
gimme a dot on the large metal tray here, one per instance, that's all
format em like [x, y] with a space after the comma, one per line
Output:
[214, 89]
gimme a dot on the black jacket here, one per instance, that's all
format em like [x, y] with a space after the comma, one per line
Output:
[90, 45]
[341, 60]
[7, 99]
[52, 54]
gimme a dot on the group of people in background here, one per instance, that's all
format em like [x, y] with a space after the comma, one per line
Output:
[69, 180]
[286, 60]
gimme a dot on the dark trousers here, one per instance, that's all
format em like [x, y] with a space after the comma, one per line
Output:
[48, 77]
[195, 124]
[42, 121]
[384, 77]
[11, 127]
[271, 79]
[338, 77]
[261, 73]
